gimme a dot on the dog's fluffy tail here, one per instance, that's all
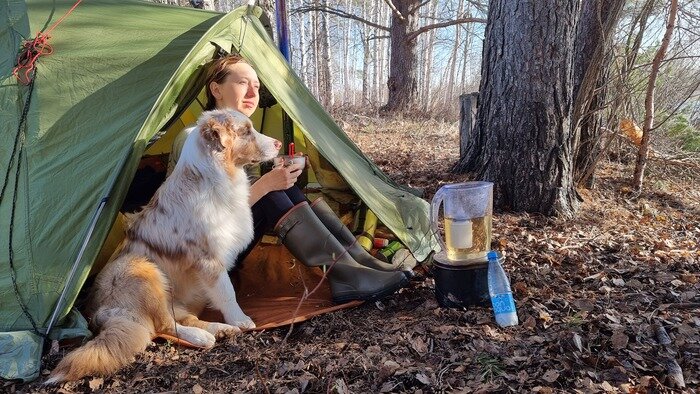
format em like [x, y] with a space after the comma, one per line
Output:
[114, 347]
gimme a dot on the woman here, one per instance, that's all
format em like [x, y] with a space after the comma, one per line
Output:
[311, 232]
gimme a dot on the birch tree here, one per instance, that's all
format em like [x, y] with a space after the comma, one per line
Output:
[324, 64]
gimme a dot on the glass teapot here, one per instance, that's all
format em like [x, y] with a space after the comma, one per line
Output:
[467, 214]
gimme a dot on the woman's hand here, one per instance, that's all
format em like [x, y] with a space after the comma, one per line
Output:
[279, 178]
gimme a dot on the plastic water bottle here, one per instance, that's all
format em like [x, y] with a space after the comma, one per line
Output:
[501, 296]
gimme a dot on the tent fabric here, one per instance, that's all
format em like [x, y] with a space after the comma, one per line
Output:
[120, 71]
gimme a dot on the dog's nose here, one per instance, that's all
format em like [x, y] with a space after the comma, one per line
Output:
[278, 145]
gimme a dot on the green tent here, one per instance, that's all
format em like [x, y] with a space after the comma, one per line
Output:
[120, 72]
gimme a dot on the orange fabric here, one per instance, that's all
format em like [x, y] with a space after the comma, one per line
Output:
[176, 340]
[270, 284]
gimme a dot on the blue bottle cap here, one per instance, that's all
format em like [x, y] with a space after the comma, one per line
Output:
[492, 255]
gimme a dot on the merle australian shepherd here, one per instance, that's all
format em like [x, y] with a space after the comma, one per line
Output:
[177, 252]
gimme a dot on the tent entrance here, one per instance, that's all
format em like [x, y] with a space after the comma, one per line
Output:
[270, 283]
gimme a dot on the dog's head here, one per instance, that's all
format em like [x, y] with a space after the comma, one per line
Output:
[229, 137]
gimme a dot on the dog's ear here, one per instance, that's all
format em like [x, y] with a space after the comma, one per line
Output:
[244, 128]
[217, 135]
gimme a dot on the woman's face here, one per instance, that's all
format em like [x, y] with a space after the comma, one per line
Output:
[239, 90]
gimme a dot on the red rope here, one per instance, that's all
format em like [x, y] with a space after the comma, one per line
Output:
[33, 49]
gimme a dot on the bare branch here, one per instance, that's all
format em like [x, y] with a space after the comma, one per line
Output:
[669, 59]
[414, 9]
[635, 41]
[393, 8]
[340, 13]
[423, 29]
[479, 5]
[375, 37]
[678, 107]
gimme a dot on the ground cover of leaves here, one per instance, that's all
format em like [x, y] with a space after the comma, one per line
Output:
[608, 302]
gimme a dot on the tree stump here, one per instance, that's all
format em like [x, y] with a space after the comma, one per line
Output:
[467, 119]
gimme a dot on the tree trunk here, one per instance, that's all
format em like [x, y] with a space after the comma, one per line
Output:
[452, 65]
[468, 39]
[316, 56]
[326, 78]
[367, 58]
[303, 69]
[596, 27]
[467, 119]
[347, 61]
[380, 14]
[376, 55]
[524, 140]
[428, 64]
[402, 80]
[268, 16]
[385, 54]
[649, 99]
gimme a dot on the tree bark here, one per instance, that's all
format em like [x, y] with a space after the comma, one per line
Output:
[376, 55]
[303, 68]
[347, 61]
[367, 58]
[316, 57]
[643, 153]
[467, 119]
[452, 65]
[326, 78]
[402, 87]
[428, 64]
[594, 33]
[524, 139]
[468, 39]
[268, 16]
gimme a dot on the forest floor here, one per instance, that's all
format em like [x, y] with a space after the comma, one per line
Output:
[607, 302]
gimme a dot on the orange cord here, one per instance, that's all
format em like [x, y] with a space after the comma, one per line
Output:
[33, 49]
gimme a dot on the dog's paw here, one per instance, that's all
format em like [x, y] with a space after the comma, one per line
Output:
[222, 331]
[243, 322]
[197, 336]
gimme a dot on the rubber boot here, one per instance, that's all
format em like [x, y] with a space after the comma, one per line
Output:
[349, 242]
[303, 233]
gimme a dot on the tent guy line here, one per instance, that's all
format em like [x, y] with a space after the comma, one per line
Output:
[33, 49]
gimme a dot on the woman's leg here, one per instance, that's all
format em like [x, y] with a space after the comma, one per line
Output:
[295, 195]
[268, 211]
[344, 235]
[308, 239]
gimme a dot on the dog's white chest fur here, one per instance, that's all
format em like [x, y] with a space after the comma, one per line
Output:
[218, 223]
[229, 218]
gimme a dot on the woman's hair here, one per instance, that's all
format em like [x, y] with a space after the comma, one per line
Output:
[217, 72]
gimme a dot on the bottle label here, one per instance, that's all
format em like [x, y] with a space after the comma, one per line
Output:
[503, 303]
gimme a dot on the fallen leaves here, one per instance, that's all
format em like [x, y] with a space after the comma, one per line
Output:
[419, 345]
[608, 302]
[551, 376]
[619, 340]
[96, 383]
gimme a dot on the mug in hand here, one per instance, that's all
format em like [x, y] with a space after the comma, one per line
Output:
[287, 161]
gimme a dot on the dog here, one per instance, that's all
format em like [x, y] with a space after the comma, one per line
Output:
[177, 251]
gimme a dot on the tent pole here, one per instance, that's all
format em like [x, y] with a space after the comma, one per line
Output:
[282, 27]
[283, 37]
[74, 268]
